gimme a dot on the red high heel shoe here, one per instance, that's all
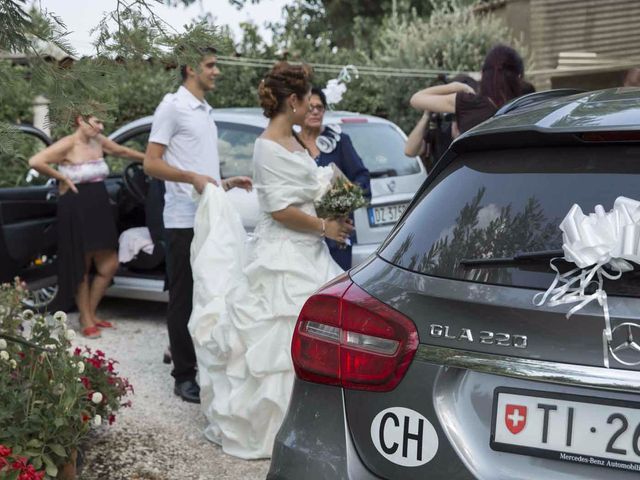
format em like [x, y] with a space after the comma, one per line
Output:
[104, 324]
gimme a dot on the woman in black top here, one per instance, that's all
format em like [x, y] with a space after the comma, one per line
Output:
[501, 82]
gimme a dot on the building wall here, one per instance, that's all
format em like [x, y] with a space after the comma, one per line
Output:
[610, 28]
[517, 14]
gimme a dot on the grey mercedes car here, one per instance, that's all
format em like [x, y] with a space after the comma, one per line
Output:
[431, 360]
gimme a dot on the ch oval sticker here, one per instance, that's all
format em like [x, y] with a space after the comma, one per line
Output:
[404, 436]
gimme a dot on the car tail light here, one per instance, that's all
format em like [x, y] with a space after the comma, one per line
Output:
[346, 337]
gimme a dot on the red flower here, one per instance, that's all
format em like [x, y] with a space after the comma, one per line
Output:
[4, 451]
[30, 473]
[86, 382]
[77, 351]
[100, 353]
[85, 418]
[96, 362]
[19, 463]
[112, 418]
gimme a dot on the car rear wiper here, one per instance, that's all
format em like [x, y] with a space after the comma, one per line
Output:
[389, 172]
[521, 258]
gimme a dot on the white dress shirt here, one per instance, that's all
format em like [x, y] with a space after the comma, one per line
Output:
[185, 126]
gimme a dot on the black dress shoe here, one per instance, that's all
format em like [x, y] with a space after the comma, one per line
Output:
[188, 390]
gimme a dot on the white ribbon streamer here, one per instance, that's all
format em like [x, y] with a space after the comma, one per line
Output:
[345, 76]
[595, 242]
[336, 87]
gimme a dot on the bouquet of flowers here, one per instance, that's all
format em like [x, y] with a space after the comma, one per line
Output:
[342, 199]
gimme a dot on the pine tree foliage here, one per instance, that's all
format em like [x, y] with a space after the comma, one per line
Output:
[127, 37]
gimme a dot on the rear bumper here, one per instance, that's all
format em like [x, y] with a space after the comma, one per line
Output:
[314, 442]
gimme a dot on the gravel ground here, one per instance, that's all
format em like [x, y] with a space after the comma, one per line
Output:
[160, 437]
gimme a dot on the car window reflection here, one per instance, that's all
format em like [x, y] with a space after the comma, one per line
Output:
[499, 203]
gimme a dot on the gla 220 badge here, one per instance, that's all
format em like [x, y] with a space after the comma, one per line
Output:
[484, 336]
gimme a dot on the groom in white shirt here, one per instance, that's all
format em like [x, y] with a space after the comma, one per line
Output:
[183, 151]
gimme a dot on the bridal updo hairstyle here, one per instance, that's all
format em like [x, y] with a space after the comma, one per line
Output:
[283, 80]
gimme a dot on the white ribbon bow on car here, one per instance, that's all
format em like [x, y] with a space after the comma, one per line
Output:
[596, 243]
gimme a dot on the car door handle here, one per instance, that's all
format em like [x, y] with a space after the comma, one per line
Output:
[51, 196]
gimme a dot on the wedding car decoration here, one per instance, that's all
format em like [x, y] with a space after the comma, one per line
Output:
[336, 87]
[601, 245]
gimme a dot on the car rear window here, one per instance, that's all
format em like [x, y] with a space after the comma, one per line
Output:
[381, 148]
[499, 203]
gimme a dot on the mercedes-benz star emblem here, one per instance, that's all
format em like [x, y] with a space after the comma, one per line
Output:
[626, 349]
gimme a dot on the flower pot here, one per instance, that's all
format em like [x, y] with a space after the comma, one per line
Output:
[68, 470]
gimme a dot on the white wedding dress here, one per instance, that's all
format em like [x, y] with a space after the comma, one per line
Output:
[247, 297]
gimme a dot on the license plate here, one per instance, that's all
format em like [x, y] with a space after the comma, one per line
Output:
[571, 428]
[386, 214]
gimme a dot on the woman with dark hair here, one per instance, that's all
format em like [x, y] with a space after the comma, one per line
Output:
[248, 294]
[501, 81]
[327, 145]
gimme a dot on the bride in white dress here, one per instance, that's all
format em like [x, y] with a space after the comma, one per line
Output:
[248, 294]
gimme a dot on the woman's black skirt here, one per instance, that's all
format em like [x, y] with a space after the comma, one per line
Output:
[85, 224]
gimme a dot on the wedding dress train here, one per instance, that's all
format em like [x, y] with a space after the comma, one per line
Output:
[247, 297]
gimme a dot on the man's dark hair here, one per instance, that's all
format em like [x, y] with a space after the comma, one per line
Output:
[203, 51]
[318, 91]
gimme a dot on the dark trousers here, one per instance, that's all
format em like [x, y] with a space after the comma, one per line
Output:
[180, 303]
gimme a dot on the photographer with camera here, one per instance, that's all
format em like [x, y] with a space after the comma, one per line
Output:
[502, 72]
[434, 132]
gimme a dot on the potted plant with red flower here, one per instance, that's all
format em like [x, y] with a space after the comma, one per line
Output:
[51, 396]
